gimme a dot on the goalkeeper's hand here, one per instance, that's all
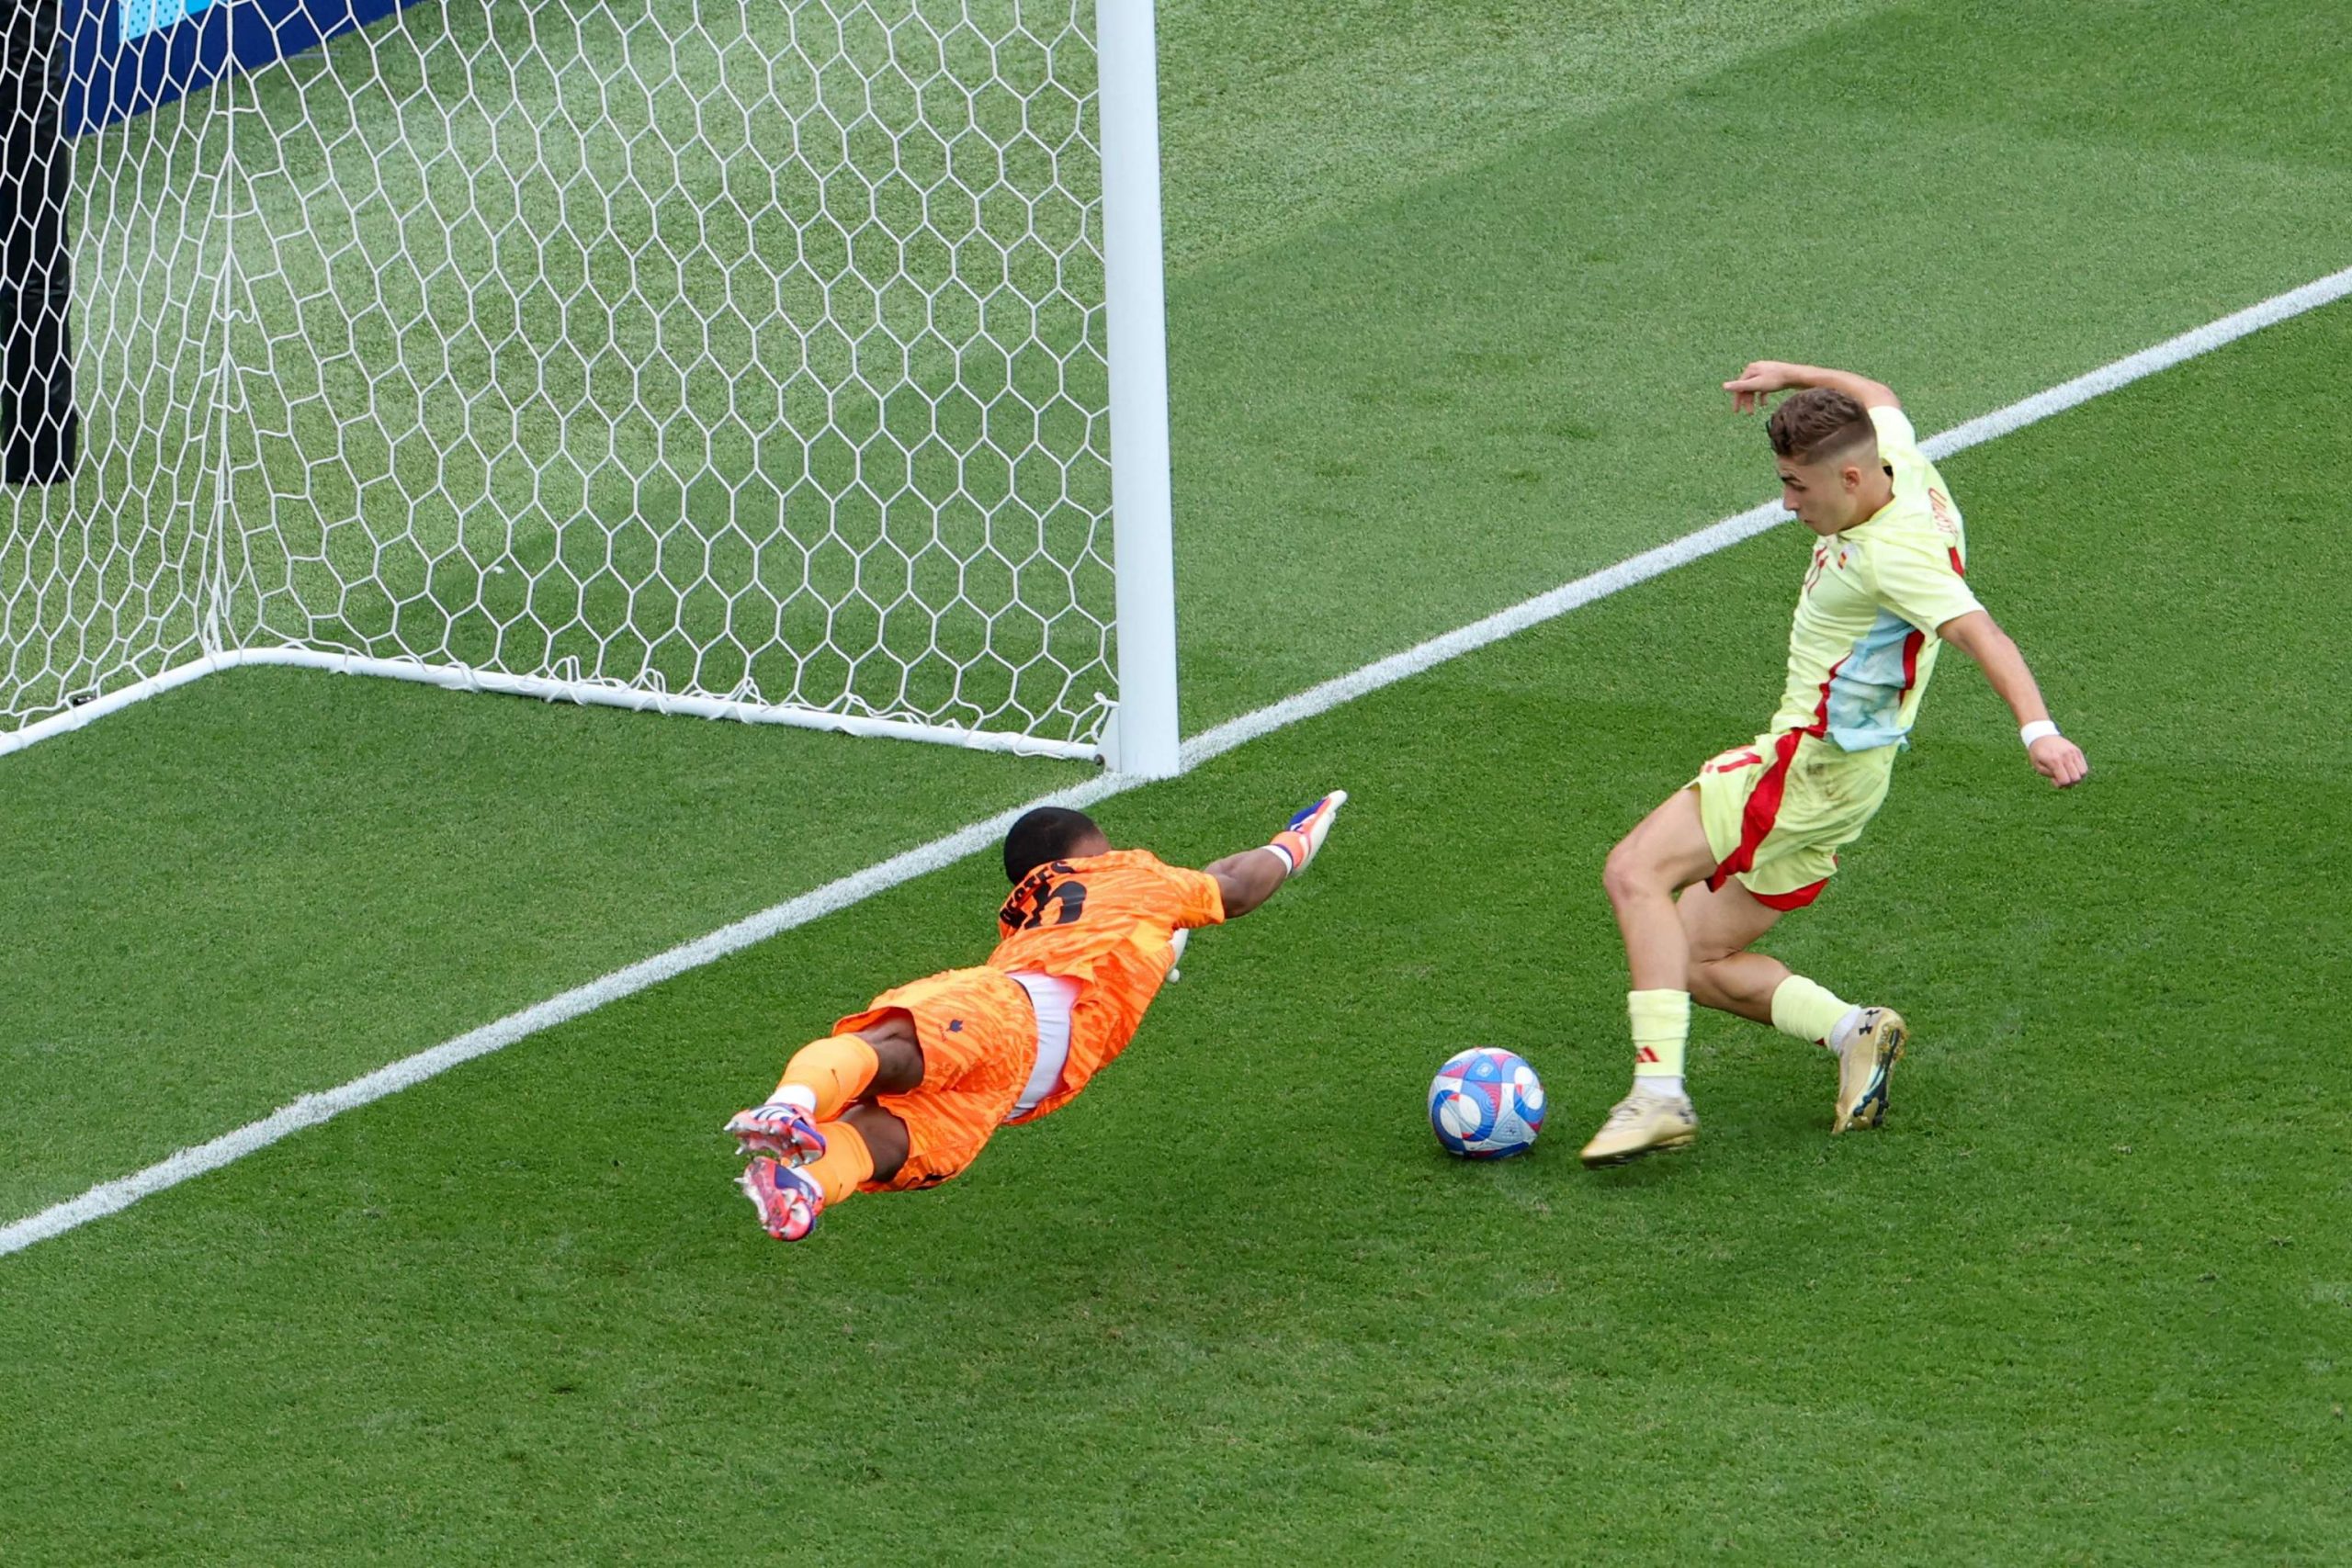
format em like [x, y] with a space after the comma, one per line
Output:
[1297, 843]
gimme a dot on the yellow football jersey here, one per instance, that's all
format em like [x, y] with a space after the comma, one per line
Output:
[1864, 641]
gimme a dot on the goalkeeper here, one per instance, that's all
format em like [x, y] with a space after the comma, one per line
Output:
[1756, 834]
[907, 1093]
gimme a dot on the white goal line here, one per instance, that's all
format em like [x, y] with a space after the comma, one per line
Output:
[112, 1197]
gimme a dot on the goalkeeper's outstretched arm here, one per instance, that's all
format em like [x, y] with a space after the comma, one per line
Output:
[1249, 878]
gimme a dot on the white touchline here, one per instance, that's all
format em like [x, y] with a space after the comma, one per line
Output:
[313, 1109]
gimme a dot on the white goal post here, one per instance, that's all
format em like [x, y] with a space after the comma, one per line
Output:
[792, 361]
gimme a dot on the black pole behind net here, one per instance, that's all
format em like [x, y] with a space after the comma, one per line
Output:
[41, 431]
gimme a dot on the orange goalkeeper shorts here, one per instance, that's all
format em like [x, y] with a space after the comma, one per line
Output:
[979, 1036]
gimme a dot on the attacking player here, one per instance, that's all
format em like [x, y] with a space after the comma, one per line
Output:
[907, 1093]
[1756, 834]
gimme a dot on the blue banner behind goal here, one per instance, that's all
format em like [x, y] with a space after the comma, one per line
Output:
[131, 56]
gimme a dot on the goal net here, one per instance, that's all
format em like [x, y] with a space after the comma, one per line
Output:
[741, 357]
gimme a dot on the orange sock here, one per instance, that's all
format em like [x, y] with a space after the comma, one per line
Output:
[846, 1162]
[824, 1075]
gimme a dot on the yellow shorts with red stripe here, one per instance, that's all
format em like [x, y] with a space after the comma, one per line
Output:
[1777, 812]
[979, 1036]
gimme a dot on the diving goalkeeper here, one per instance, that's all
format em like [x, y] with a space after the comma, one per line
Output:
[907, 1093]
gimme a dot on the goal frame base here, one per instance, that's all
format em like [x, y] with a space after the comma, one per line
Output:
[591, 693]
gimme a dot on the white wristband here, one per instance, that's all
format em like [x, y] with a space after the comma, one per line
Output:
[1282, 854]
[2036, 730]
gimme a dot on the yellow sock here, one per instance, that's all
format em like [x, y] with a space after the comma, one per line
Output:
[1661, 1030]
[845, 1163]
[828, 1074]
[1806, 1010]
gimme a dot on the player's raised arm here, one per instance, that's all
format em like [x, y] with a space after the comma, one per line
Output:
[2054, 757]
[1764, 377]
[1249, 878]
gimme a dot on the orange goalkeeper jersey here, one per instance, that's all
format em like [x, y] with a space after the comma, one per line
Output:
[1105, 921]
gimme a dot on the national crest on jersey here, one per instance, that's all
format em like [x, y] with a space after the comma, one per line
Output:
[1864, 640]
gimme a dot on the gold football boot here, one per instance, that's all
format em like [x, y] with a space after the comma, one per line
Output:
[1864, 1067]
[1642, 1123]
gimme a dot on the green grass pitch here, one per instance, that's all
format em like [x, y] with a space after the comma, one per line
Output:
[1450, 295]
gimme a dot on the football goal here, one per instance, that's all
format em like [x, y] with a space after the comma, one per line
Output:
[794, 361]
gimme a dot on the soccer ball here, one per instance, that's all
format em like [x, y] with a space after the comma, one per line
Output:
[1486, 1104]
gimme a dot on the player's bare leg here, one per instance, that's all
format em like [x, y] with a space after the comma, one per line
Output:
[867, 1144]
[816, 1138]
[822, 1078]
[885, 1138]
[1720, 926]
[1867, 1041]
[1667, 851]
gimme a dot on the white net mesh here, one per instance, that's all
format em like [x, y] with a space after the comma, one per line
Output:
[749, 350]
[101, 574]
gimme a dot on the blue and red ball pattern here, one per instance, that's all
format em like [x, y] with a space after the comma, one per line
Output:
[1486, 1104]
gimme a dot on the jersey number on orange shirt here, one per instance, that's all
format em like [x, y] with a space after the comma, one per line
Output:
[1048, 885]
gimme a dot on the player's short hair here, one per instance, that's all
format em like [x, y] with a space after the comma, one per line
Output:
[1817, 421]
[1050, 832]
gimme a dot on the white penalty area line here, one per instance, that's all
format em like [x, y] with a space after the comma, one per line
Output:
[311, 1110]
